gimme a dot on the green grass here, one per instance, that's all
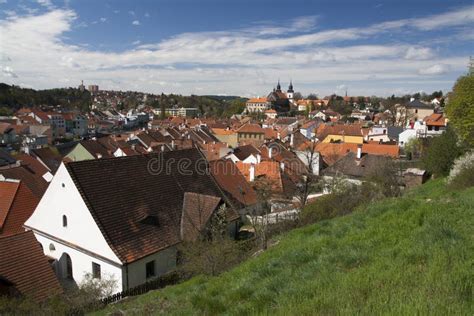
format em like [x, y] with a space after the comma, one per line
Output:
[405, 256]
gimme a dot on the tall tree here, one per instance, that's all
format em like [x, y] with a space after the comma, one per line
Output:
[460, 109]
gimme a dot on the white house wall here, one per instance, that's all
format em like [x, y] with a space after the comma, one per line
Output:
[165, 261]
[63, 198]
[81, 262]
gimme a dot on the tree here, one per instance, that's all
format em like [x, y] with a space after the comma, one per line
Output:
[308, 181]
[297, 96]
[259, 216]
[412, 148]
[312, 96]
[439, 157]
[213, 251]
[460, 109]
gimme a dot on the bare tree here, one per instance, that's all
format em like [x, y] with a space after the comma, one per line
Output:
[309, 179]
[259, 216]
[212, 251]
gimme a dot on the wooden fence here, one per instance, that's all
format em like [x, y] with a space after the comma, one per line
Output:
[155, 284]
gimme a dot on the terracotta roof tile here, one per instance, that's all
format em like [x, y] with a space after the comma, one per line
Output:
[251, 128]
[138, 210]
[8, 191]
[33, 181]
[21, 208]
[197, 210]
[231, 180]
[26, 267]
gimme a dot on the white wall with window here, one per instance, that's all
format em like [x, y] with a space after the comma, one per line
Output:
[163, 261]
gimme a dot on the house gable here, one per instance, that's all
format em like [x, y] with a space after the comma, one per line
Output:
[62, 198]
[79, 153]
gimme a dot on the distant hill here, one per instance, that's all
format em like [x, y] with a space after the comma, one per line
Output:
[225, 97]
[406, 256]
[15, 97]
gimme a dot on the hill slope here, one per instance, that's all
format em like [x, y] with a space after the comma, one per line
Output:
[402, 256]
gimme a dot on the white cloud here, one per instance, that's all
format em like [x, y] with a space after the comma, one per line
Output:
[46, 3]
[419, 53]
[7, 71]
[147, 15]
[434, 70]
[3, 1]
[136, 22]
[137, 42]
[132, 13]
[103, 20]
[260, 54]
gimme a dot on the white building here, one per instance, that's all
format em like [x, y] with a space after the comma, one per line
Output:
[122, 218]
[257, 105]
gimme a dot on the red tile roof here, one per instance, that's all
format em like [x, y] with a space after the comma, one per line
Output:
[257, 100]
[251, 128]
[435, 119]
[197, 211]
[27, 268]
[381, 149]
[20, 209]
[7, 195]
[136, 206]
[32, 164]
[231, 180]
[33, 181]
[332, 152]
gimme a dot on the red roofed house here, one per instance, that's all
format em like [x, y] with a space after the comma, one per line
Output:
[124, 217]
[257, 105]
[251, 134]
[435, 124]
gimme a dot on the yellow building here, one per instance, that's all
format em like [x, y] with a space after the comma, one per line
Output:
[331, 138]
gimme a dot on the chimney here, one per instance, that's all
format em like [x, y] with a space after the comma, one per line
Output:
[359, 151]
[99, 156]
[252, 172]
[259, 158]
[278, 135]
[282, 166]
[292, 140]
[270, 149]
[172, 144]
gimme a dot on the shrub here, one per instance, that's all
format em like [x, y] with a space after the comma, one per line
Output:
[462, 173]
[343, 200]
[441, 153]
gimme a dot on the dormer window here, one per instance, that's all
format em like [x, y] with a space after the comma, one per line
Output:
[64, 221]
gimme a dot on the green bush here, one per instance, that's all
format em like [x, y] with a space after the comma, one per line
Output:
[340, 202]
[441, 153]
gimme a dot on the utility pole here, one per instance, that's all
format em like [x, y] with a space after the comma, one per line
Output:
[471, 66]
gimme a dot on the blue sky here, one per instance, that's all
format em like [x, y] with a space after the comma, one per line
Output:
[237, 47]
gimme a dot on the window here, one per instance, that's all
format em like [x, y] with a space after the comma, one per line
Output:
[64, 221]
[95, 270]
[150, 269]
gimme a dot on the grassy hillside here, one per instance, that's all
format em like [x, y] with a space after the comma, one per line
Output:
[412, 255]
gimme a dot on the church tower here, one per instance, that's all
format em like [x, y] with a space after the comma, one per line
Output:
[290, 93]
[278, 86]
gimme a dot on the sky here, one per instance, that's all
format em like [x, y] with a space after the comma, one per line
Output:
[237, 47]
